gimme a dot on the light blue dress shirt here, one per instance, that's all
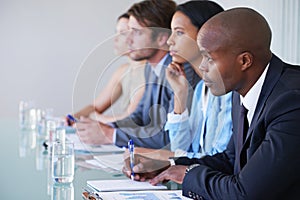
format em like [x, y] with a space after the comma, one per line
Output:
[211, 129]
[145, 126]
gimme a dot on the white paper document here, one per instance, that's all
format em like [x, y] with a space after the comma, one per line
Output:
[80, 146]
[122, 185]
[95, 164]
[144, 195]
[114, 161]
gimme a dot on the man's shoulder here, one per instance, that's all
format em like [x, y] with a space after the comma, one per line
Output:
[291, 76]
[285, 76]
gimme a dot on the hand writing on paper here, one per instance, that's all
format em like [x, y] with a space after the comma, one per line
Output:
[174, 173]
[144, 168]
[159, 154]
[93, 132]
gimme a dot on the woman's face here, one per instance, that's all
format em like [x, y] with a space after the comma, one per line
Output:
[120, 46]
[182, 42]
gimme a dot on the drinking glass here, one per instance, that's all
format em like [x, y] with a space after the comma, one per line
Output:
[63, 161]
[27, 115]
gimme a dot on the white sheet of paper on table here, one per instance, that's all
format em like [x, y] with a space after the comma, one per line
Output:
[114, 161]
[122, 185]
[95, 163]
[80, 146]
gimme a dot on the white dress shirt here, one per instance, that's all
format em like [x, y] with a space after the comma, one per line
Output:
[251, 98]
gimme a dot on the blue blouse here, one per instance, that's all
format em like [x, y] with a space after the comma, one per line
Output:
[200, 135]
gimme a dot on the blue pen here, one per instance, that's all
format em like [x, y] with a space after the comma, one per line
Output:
[131, 155]
[73, 119]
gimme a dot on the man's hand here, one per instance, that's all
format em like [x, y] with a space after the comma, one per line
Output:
[174, 173]
[145, 168]
[94, 133]
[157, 154]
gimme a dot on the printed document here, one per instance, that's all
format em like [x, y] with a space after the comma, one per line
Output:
[122, 185]
[144, 195]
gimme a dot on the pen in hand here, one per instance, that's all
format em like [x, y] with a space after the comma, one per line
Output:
[131, 155]
[71, 119]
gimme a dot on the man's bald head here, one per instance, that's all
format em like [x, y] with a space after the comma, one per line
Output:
[235, 45]
[241, 30]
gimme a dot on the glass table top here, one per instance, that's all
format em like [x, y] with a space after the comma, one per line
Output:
[24, 169]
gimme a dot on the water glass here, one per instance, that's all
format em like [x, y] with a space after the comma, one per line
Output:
[52, 125]
[27, 115]
[27, 142]
[42, 115]
[41, 156]
[63, 162]
[50, 129]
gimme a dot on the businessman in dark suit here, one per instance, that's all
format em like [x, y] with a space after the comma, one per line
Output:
[262, 160]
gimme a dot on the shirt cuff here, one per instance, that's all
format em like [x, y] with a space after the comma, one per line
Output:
[114, 136]
[175, 118]
[172, 161]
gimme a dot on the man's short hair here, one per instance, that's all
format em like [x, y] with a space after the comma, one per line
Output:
[153, 13]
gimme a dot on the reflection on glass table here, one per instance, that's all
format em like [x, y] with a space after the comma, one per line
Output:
[25, 164]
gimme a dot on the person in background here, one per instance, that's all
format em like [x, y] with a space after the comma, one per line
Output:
[208, 129]
[261, 160]
[127, 82]
[145, 125]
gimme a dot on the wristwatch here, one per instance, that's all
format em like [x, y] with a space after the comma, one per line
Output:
[189, 168]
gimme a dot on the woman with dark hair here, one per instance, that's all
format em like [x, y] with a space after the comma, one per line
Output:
[208, 128]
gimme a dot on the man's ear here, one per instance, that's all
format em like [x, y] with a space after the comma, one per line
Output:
[162, 39]
[245, 59]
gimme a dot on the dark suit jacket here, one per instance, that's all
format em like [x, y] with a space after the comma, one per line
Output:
[271, 167]
[145, 126]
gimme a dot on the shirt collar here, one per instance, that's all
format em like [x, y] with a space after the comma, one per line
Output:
[158, 67]
[251, 98]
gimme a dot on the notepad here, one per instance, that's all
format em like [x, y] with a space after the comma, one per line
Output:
[122, 185]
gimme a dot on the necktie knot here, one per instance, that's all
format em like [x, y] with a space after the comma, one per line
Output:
[244, 119]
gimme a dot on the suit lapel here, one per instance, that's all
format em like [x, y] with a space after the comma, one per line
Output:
[272, 77]
[273, 74]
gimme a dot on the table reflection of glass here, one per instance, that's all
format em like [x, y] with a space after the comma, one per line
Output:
[24, 168]
[62, 191]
